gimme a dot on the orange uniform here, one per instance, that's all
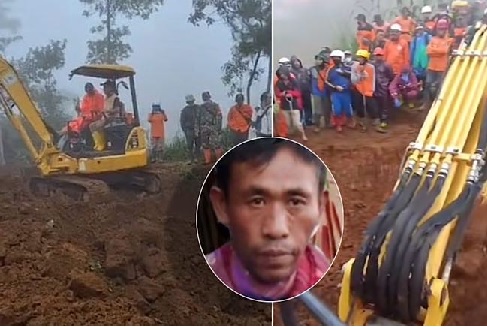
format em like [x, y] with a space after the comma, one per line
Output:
[280, 127]
[396, 54]
[240, 118]
[157, 121]
[365, 36]
[92, 105]
[365, 85]
[408, 26]
[323, 77]
[439, 51]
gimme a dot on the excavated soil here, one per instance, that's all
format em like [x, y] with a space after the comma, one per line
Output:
[366, 167]
[126, 261]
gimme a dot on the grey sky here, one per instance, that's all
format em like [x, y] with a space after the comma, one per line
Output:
[172, 57]
[303, 27]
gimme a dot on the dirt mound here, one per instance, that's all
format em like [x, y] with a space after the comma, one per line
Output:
[366, 167]
[128, 260]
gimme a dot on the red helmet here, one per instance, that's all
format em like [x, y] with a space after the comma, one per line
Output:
[442, 24]
[378, 51]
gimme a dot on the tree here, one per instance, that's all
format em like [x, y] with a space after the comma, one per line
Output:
[111, 48]
[250, 23]
[37, 70]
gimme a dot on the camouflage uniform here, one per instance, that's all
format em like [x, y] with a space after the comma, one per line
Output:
[210, 125]
[188, 121]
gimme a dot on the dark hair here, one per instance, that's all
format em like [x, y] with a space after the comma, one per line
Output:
[259, 152]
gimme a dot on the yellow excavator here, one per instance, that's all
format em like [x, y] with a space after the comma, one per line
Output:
[66, 162]
[401, 273]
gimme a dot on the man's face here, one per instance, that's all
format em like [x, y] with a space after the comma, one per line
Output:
[395, 35]
[440, 32]
[296, 64]
[89, 89]
[426, 16]
[419, 31]
[380, 36]
[271, 214]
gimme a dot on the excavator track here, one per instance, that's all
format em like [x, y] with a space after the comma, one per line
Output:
[74, 187]
[85, 188]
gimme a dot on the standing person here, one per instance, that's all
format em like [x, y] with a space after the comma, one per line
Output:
[419, 53]
[427, 20]
[363, 77]
[189, 124]
[320, 93]
[379, 24]
[157, 120]
[262, 117]
[341, 91]
[239, 120]
[380, 40]
[279, 124]
[396, 50]
[302, 76]
[407, 24]
[384, 77]
[439, 52]
[210, 117]
[290, 100]
[365, 32]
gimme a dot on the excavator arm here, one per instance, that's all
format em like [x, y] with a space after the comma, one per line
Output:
[19, 107]
[401, 273]
[402, 270]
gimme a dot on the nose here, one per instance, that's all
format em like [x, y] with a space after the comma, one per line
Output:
[276, 224]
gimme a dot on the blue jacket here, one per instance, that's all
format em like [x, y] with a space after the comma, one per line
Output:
[337, 77]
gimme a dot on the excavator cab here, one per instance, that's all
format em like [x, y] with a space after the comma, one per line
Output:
[78, 171]
[118, 128]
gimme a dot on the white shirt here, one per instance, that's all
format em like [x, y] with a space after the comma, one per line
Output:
[265, 121]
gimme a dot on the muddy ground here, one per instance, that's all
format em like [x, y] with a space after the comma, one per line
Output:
[366, 167]
[127, 261]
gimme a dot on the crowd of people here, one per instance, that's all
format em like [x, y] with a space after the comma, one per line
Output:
[398, 63]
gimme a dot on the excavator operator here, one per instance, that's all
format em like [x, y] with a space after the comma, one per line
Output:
[112, 108]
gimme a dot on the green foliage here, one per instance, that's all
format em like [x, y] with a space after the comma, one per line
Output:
[176, 150]
[111, 48]
[37, 70]
[250, 23]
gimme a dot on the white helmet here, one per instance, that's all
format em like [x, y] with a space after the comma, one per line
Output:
[426, 10]
[396, 27]
[337, 53]
[284, 61]
[347, 52]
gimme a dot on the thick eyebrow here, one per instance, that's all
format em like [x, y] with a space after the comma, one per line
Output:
[257, 190]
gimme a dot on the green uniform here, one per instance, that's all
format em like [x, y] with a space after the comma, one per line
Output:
[210, 125]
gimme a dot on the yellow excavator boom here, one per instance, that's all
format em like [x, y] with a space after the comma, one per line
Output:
[401, 272]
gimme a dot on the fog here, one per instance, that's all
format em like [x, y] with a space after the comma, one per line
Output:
[172, 57]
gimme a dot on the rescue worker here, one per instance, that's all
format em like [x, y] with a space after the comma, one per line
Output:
[282, 62]
[379, 25]
[279, 123]
[188, 123]
[439, 50]
[427, 20]
[460, 22]
[239, 120]
[341, 95]
[363, 77]
[157, 120]
[407, 24]
[262, 117]
[404, 88]
[90, 109]
[112, 108]
[365, 32]
[396, 50]
[210, 128]
[290, 100]
[384, 76]
[320, 93]
[348, 59]
[380, 40]
[419, 54]
[302, 76]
